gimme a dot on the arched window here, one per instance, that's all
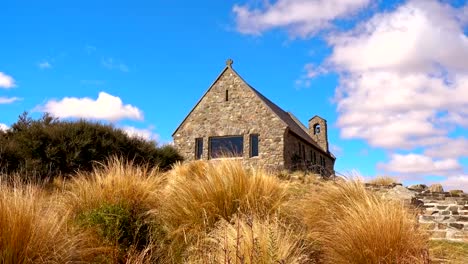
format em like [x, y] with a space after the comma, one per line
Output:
[316, 129]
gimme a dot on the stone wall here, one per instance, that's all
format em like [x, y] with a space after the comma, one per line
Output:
[292, 151]
[321, 137]
[443, 214]
[242, 114]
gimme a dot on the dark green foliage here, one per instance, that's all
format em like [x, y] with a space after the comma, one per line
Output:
[48, 147]
[118, 225]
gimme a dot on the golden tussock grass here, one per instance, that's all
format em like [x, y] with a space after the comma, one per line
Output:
[201, 193]
[203, 212]
[32, 230]
[249, 240]
[383, 180]
[116, 182]
[356, 226]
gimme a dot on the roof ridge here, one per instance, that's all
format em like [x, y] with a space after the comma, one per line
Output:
[298, 122]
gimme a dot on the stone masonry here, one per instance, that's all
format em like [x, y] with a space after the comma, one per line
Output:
[231, 107]
[444, 215]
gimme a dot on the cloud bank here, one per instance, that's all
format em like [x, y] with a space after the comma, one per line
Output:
[403, 76]
[105, 107]
[300, 17]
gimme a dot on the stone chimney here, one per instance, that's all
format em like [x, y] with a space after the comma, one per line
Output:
[318, 131]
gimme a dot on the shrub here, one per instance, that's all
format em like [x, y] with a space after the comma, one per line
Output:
[356, 226]
[49, 147]
[201, 193]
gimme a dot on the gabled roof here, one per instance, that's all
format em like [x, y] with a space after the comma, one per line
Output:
[292, 123]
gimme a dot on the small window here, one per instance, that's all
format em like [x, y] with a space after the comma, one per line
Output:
[226, 146]
[315, 158]
[198, 148]
[303, 152]
[254, 145]
[227, 95]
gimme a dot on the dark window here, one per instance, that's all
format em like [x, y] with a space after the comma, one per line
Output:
[303, 152]
[198, 148]
[226, 146]
[227, 95]
[311, 156]
[315, 158]
[253, 145]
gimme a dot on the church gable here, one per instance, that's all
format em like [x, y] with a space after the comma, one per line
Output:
[231, 103]
[230, 108]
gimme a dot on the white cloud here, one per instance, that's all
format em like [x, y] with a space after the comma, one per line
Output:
[112, 64]
[416, 164]
[299, 17]
[450, 148]
[459, 182]
[402, 74]
[8, 100]
[44, 65]
[6, 81]
[4, 127]
[145, 133]
[105, 107]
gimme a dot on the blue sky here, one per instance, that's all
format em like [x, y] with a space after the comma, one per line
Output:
[391, 77]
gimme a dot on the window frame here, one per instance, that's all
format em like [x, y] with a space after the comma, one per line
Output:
[210, 146]
[251, 154]
[198, 148]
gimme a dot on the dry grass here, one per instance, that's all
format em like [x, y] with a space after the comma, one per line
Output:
[356, 226]
[449, 252]
[117, 182]
[249, 240]
[383, 180]
[201, 193]
[205, 212]
[113, 203]
[32, 231]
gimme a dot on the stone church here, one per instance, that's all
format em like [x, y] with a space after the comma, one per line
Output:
[233, 120]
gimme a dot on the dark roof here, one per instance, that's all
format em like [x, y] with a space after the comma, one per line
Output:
[289, 119]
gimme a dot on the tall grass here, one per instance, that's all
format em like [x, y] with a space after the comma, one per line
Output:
[202, 212]
[114, 202]
[32, 230]
[383, 180]
[356, 226]
[116, 182]
[199, 195]
[249, 240]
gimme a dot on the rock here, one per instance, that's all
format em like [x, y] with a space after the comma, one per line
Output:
[436, 188]
[400, 193]
[418, 187]
[456, 192]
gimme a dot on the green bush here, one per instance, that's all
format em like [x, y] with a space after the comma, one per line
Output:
[49, 147]
[118, 225]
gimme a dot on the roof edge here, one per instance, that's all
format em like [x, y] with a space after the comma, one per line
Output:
[201, 98]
